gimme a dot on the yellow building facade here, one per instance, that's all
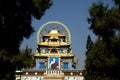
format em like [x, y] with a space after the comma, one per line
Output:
[54, 59]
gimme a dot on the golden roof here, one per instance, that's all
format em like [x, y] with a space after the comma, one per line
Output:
[54, 33]
[53, 54]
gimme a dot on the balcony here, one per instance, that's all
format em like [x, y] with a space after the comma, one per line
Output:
[69, 55]
[53, 74]
[53, 43]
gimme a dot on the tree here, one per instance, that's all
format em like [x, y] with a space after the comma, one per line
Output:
[25, 59]
[100, 62]
[15, 21]
[103, 58]
[15, 25]
[89, 43]
[117, 2]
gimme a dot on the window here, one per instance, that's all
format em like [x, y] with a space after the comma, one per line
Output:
[42, 65]
[65, 65]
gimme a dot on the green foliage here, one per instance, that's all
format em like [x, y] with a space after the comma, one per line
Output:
[6, 69]
[89, 43]
[104, 22]
[100, 62]
[15, 21]
[117, 2]
[102, 57]
[15, 25]
[24, 59]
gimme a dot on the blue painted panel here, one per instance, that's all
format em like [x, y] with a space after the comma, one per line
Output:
[42, 65]
[65, 65]
[37, 64]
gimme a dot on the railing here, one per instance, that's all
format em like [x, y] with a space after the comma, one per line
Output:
[53, 73]
[54, 43]
[57, 72]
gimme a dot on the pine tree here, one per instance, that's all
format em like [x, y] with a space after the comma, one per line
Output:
[103, 58]
[15, 24]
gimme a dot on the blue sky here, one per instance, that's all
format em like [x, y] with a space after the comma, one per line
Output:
[72, 13]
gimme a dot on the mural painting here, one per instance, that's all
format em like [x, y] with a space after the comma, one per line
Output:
[54, 63]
